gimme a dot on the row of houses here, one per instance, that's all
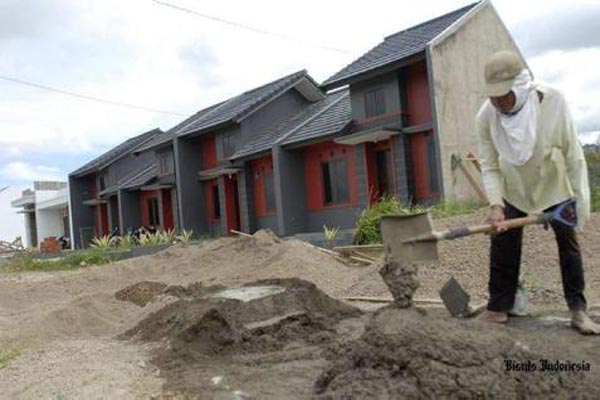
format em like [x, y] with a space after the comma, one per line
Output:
[294, 155]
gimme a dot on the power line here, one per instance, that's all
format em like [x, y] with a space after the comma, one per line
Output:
[90, 98]
[250, 28]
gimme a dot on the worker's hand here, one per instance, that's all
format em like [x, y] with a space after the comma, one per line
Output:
[496, 219]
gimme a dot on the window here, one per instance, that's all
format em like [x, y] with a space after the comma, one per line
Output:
[153, 214]
[165, 162]
[228, 145]
[374, 103]
[102, 180]
[269, 191]
[335, 181]
[215, 201]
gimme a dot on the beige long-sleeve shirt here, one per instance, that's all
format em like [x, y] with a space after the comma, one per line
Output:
[556, 171]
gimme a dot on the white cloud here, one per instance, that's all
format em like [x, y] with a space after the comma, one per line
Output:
[13, 224]
[17, 170]
[572, 73]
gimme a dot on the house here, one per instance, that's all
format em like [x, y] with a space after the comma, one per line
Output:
[214, 194]
[414, 97]
[293, 155]
[101, 195]
[46, 211]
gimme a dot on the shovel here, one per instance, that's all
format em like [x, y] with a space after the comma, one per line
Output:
[411, 238]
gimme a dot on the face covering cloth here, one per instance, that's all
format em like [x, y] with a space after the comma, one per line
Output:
[514, 134]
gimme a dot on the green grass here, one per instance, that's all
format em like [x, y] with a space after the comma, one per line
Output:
[26, 262]
[7, 353]
[367, 226]
[595, 201]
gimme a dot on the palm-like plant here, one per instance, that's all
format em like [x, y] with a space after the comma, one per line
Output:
[102, 242]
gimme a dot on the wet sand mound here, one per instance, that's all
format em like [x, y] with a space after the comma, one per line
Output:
[260, 316]
[406, 353]
[140, 293]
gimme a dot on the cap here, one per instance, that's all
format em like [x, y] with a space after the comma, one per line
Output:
[500, 71]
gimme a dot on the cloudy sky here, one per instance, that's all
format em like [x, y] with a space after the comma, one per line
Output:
[147, 54]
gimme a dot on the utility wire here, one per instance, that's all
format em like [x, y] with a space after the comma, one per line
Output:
[250, 28]
[91, 98]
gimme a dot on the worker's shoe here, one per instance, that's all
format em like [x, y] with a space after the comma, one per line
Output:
[498, 317]
[584, 324]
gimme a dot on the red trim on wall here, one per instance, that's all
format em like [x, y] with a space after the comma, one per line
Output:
[209, 200]
[418, 143]
[167, 209]
[209, 151]
[314, 155]
[260, 167]
[417, 87]
[145, 195]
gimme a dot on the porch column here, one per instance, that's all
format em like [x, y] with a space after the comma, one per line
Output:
[402, 168]
[361, 176]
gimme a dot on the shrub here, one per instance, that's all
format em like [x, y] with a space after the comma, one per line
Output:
[330, 235]
[103, 242]
[184, 237]
[367, 226]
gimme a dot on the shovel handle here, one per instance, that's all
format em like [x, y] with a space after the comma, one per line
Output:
[486, 228]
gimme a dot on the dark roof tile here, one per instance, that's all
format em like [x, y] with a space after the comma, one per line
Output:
[397, 47]
[115, 153]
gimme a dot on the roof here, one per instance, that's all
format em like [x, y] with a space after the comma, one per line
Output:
[115, 153]
[168, 136]
[333, 120]
[238, 107]
[397, 47]
[266, 140]
[139, 178]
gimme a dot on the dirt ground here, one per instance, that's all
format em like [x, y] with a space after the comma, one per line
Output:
[81, 333]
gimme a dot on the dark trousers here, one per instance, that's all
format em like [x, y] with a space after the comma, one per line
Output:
[505, 260]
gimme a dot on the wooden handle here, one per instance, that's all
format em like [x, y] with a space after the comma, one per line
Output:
[486, 228]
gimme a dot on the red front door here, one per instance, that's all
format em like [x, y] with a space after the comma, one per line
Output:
[232, 203]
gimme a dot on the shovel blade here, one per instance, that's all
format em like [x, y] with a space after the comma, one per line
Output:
[397, 230]
[455, 299]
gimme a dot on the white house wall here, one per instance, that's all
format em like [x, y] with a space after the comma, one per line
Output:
[457, 68]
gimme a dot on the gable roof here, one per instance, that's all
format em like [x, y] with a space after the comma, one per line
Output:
[397, 47]
[139, 177]
[238, 107]
[115, 153]
[333, 120]
[266, 140]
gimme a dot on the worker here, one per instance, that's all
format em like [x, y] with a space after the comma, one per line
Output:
[531, 162]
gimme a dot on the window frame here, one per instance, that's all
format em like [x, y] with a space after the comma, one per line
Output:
[374, 101]
[333, 174]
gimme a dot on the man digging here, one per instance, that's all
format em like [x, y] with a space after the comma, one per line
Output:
[531, 161]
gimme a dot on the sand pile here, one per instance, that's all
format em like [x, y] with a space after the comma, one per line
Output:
[140, 293]
[406, 353]
[259, 316]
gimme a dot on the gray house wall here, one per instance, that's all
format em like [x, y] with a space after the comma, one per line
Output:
[125, 166]
[388, 82]
[80, 189]
[285, 105]
[129, 206]
[191, 206]
[290, 191]
[164, 152]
